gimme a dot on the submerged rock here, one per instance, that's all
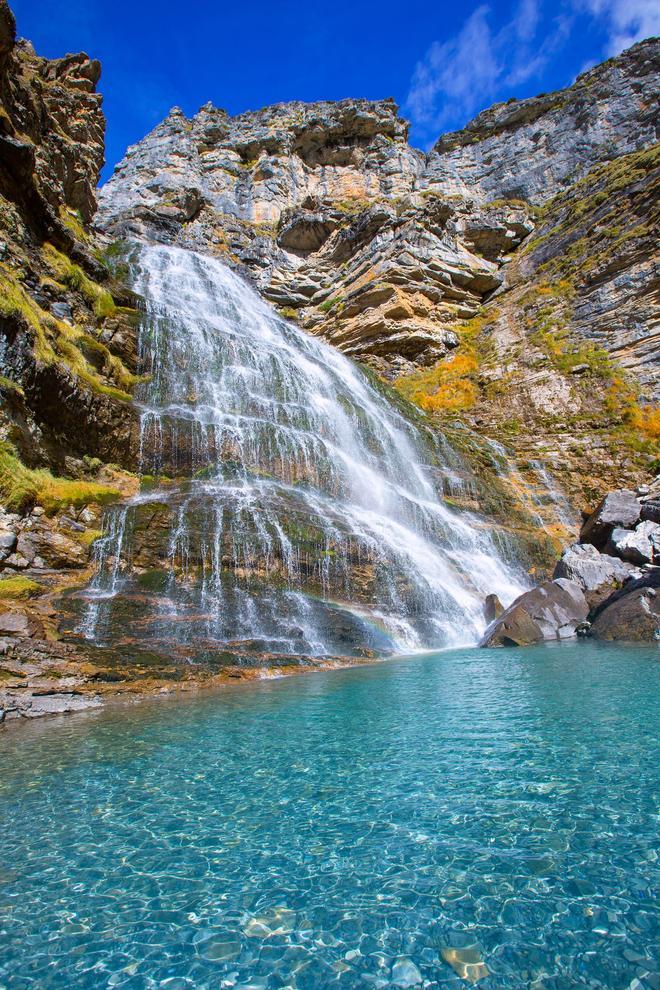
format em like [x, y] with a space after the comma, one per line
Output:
[553, 611]
[405, 973]
[467, 962]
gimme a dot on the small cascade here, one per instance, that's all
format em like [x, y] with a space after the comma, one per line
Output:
[287, 505]
[537, 492]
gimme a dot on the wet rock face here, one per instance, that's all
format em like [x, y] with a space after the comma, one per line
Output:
[531, 149]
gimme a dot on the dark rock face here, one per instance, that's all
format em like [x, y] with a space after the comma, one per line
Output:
[618, 509]
[632, 614]
[553, 611]
[51, 132]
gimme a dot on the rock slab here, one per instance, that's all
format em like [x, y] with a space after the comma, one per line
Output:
[553, 611]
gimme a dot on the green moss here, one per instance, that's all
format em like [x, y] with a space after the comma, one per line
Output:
[22, 487]
[89, 536]
[72, 276]
[155, 580]
[72, 219]
[18, 587]
[329, 304]
[7, 385]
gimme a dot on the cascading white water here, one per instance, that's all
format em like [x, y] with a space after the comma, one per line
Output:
[300, 506]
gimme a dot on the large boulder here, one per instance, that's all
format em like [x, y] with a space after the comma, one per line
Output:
[639, 546]
[555, 610]
[632, 614]
[651, 509]
[598, 574]
[619, 509]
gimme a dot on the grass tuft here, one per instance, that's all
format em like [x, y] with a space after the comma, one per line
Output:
[22, 487]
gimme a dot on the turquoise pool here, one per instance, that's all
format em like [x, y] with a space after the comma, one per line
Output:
[472, 815]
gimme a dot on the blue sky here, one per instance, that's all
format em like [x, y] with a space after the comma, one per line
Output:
[442, 62]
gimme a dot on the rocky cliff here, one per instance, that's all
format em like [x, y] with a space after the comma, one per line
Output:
[65, 394]
[506, 279]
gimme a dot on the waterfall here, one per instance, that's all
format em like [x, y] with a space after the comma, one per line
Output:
[286, 504]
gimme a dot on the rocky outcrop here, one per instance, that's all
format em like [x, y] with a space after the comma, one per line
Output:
[619, 580]
[532, 149]
[555, 610]
[598, 574]
[608, 593]
[66, 393]
[631, 614]
[502, 278]
[51, 133]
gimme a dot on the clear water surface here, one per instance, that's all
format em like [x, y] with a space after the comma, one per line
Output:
[485, 815]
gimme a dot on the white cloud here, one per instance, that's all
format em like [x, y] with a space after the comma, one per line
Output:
[460, 76]
[459, 70]
[626, 21]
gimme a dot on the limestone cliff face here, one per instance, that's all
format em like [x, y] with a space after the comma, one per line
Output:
[502, 279]
[532, 149]
[320, 204]
[257, 165]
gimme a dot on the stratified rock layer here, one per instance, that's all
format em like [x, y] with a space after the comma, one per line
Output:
[514, 260]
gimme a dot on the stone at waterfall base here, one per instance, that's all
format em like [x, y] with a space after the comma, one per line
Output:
[631, 614]
[40, 677]
[556, 610]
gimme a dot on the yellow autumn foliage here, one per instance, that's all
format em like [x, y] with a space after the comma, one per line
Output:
[446, 387]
